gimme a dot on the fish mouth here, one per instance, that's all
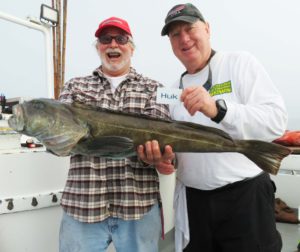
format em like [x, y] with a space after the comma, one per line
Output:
[16, 121]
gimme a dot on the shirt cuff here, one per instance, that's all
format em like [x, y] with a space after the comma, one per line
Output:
[230, 115]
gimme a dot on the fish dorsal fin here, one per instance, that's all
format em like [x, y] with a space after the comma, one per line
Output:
[133, 114]
[206, 129]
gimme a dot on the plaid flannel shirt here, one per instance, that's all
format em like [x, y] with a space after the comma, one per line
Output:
[96, 187]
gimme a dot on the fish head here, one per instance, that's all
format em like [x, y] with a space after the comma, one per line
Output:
[16, 121]
[50, 121]
[34, 117]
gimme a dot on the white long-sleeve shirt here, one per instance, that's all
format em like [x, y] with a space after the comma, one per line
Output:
[255, 111]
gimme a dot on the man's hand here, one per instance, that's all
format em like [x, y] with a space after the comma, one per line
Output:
[150, 153]
[198, 99]
[165, 167]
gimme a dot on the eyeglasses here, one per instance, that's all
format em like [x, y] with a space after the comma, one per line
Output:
[120, 39]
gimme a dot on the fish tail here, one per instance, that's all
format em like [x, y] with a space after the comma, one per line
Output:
[265, 155]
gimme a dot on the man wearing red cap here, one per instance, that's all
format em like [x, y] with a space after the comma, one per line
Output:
[107, 200]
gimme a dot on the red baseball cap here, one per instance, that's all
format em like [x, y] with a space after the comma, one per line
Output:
[113, 22]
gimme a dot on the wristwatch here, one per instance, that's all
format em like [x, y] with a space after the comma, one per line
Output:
[222, 109]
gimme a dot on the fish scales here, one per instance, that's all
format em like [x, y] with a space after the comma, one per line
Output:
[140, 129]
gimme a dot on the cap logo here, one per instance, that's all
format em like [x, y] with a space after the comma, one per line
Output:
[112, 21]
[176, 10]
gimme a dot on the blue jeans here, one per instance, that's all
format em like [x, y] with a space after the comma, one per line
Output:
[127, 236]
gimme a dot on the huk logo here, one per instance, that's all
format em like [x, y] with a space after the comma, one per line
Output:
[221, 88]
[168, 95]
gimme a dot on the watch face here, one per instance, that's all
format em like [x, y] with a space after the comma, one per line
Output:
[222, 109]
[221, 103]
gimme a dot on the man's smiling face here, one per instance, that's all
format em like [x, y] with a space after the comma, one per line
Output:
[115, 57]
[191, 43]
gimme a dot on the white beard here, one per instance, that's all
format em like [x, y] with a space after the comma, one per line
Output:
[114, 66]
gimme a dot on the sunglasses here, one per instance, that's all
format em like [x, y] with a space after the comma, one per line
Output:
[120, 39]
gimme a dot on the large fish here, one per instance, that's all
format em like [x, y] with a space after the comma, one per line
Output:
[67, 129]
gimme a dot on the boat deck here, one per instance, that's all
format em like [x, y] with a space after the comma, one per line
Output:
[290, 234]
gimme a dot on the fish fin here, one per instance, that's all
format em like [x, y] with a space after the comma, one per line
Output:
[62, 144]
[188, 125]
[119, 112]
[106, 146]
[265, 155]
[58, 154]
[80, 105]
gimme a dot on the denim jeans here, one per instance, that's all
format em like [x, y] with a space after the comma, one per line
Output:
[127, 236]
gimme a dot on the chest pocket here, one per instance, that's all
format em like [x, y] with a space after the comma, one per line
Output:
[133, 99]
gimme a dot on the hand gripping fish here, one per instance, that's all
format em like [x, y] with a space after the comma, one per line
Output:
[68, 129]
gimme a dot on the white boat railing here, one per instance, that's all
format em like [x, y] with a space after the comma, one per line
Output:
[46, 30]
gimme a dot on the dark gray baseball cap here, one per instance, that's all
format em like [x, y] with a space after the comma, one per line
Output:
[182, 12]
